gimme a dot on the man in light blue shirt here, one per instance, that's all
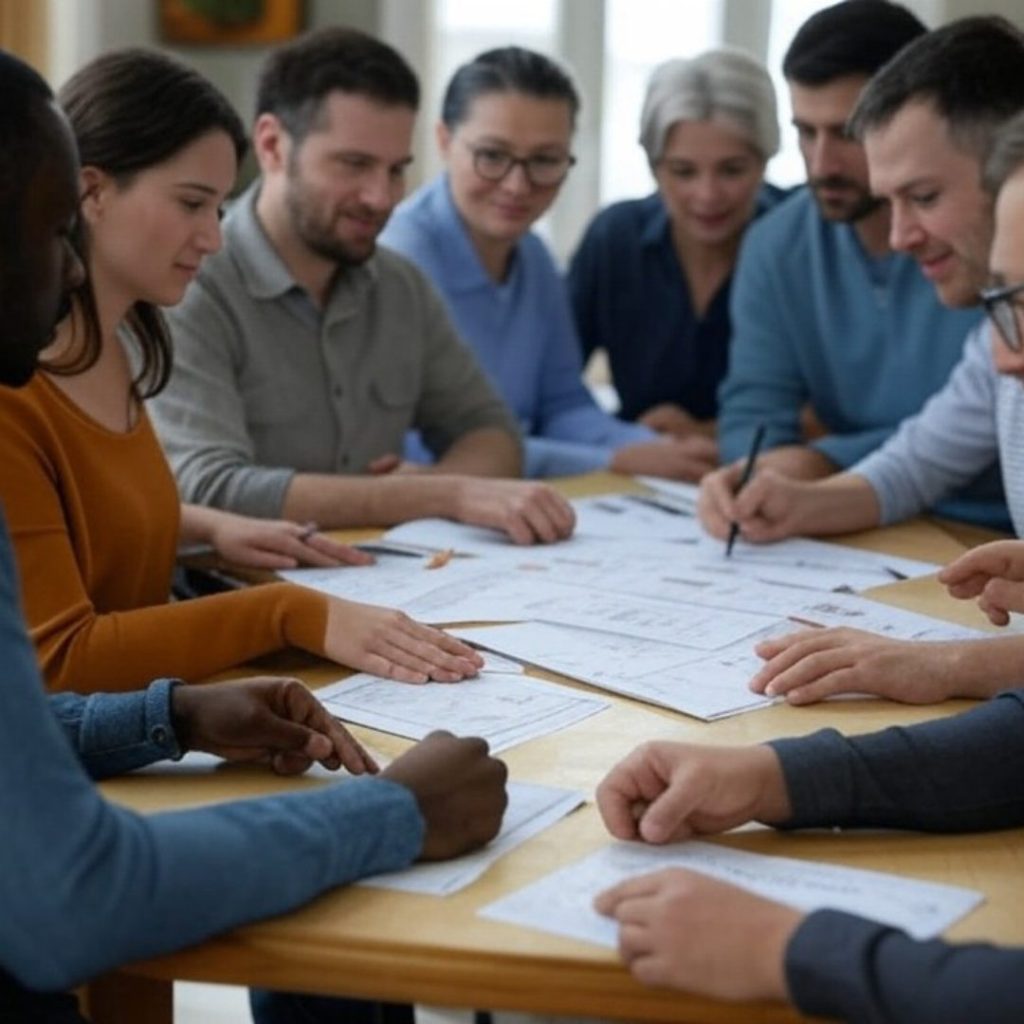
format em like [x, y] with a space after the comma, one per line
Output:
[825, 314]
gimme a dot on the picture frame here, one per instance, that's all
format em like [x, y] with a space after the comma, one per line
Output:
[229, 22]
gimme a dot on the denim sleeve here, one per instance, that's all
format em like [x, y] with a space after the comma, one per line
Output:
[913, 777]
[115, 733]
[843, 967]
[86, 886]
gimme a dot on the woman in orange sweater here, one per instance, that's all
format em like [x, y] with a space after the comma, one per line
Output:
[91, 503]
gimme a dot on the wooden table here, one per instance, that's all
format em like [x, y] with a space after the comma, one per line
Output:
[398, 946]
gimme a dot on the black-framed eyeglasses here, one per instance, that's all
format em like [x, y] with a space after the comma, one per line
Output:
[542, 170]
[1005, 307]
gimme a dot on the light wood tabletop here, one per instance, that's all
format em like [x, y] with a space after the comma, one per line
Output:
[404, 947]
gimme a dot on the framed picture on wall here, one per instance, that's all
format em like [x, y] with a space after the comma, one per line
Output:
[229, 22]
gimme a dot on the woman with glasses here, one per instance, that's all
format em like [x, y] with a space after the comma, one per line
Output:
[505, 135]
[650, 280]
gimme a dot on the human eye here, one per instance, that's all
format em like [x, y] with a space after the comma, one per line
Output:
[492, 156]
[925, 198]
[680, 171]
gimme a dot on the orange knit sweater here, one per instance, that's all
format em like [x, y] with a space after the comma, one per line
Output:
[94, 516]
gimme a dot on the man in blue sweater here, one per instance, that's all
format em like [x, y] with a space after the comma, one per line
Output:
[86, 885]
[825, 314]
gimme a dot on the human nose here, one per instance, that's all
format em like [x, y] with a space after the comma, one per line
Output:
[823, 157]
[378, 191]
[516, 179]
[209, 238]
[905, 231]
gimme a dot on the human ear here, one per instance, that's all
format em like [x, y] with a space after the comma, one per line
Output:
[443, 134]
[271, 143]
[93, 187]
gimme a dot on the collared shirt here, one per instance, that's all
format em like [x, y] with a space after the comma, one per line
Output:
[520, 329]
[86, 885]
[266, 385]
[630, 297]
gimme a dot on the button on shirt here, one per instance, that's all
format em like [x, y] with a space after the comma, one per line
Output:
[265, 384]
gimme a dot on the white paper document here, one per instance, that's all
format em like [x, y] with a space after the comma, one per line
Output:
[811, 563]
[562, 902]
[875, 617]
[629, 516]
[705, 686]
[505, 709]
[531, 809]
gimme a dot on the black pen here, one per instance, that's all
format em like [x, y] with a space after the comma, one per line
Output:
[748, 472]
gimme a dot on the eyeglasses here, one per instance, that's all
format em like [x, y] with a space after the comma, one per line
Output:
[541, 171]
[1005, 306]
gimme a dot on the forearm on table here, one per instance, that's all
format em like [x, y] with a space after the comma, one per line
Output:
[956, 774]
[197, 524]
[487, 451]
[338, 502]
[842, 503]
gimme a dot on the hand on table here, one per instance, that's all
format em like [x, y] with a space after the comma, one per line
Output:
[265, 719]
[387, 643]
[530, 513]
[669, 418]
[688, 458]
[682, 930]
[994, 574]
[278, 544]
[813, 664]
[460, 790]
[669, 791]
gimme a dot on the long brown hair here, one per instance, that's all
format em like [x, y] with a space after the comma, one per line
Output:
[129, 110]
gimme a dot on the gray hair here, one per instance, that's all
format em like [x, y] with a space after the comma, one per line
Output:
[724, 83]
[1007, 156]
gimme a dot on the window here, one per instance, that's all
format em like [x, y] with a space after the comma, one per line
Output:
[640, 34]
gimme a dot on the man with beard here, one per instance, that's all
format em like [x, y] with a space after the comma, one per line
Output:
[303, 354]
[825, 315]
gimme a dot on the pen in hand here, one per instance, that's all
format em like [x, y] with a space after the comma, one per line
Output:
[748, 472]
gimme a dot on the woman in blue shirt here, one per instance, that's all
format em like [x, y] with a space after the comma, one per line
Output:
[506, 134]
[650, 281]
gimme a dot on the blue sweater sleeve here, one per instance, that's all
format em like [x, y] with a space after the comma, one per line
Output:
[86, 885]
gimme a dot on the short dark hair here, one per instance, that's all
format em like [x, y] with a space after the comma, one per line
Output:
[971, 71]
[22, 142]
[131, 109]
[1007, 156]
[508, 69]
[854, 37]
[297, 76]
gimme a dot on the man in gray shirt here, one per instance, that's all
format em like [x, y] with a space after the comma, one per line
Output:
[303, 354]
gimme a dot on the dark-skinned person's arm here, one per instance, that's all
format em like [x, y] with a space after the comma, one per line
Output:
[88, 886]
